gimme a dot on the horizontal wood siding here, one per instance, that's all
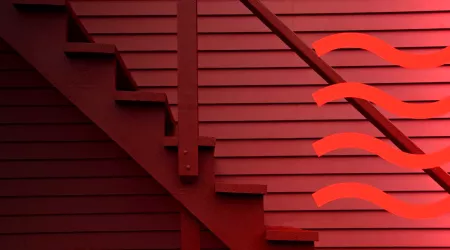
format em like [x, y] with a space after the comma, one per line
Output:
[64, 184]
[255, 97]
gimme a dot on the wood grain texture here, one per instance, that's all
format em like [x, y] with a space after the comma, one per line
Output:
[250, 24]
[187, 61]
[254, 92]
[64, 182]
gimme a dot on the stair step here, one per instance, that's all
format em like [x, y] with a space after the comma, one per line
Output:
[249, 189]
[40, 5]
[203, 142]
[139, 97]
[142, 97]
[290, 234]
[74, 49]
[124, 81]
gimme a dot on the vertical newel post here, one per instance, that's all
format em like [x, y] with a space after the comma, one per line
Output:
[187, 89]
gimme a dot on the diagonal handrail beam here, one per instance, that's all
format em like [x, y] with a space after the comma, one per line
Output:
[332, 77]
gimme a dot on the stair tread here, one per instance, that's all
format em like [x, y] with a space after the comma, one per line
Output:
[233, 188]
[40, 4]
[290, 234]
[143, 97]
[140, 97]
[77, 48]
[203, 141]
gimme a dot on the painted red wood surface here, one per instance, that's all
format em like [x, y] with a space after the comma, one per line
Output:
[190, 232]
[89, 85]
[64, 183]
[255, 98]
[187, 89]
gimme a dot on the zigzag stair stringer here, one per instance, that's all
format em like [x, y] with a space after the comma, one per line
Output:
[89, 83]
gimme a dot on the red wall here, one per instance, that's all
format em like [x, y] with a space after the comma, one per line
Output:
[255, 98]
[64, 184]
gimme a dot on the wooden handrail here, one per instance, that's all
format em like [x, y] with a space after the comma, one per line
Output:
[332, 77]
[187, 89]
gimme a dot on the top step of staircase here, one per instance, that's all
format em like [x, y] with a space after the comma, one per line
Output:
[40, 5]
[80, 43]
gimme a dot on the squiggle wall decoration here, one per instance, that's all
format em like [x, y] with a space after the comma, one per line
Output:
[371, 144]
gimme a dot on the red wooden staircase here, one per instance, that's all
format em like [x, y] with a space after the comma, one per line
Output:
[94, 78]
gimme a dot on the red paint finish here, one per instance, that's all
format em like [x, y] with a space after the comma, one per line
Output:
[262, 101]
[255, 98]
[187, 89]
[64, 183]
[190, 232]
[331, 77]
[139, 130]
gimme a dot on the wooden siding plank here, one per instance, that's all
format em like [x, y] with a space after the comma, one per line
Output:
[352, 220]
[300, 94]
[260, 59]
[303, 147]
[21, 79]
[71, 169]
[89, 223]
[309, 166]
[308, 129]
[110, 204]
[164, 240]
[51, 133]
[260, 77]
[60, 150]
[250, 24]
[223, 7]
[105, 240]
[285, 204]
[75, 223]
[224, 166]
[38, 97]
[264, 42]
[281, 112]
[36, 114]
[80, 187]
[280, 204]
[312, 183]
[384, 238]
[148, 240]
[303, 76]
